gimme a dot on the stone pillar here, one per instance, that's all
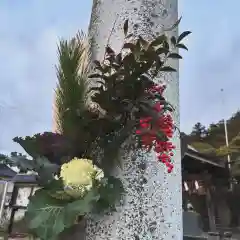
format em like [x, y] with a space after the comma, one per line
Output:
[152, 205]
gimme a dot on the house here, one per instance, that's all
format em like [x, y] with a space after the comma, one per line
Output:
[204, 178]
[6, 172]
[15, 190]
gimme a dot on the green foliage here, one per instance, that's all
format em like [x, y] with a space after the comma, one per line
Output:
[203, 147]
[110, 192]
[72, 82]
[212, 140]
[121, 94]
[199, 131]
[50, 211]
[74, 120]
[232, 149]
[123, 78]
[48, 216]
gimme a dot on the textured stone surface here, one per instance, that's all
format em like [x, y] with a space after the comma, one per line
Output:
[152, 205]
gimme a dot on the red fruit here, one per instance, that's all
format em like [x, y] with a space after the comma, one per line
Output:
[157, 107]
[145, 125]
[164, 124]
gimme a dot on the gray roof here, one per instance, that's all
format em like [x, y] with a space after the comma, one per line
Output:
[9, 174]
[24, 178]
[6, 172]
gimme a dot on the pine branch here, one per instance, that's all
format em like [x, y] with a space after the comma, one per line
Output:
[72, 72]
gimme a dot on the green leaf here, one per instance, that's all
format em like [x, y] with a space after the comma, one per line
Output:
[111, 151]
[174, 56]
[72, 74]
[45, 215]
[159, 40]
[143, 42]
[95, 75]
[173, 40]
[180, 45]
[158, 65]
[166, 45]
[125, 27]
[29, 144]
[168, 69]
[56, 190]
[110, 193]
[131, 46]
[183, 35]
[97, 64]
[118, 58]
[109, 50]
[128, 61]
[81, 206]
[48, 217]
[162, 50]
[45, 170]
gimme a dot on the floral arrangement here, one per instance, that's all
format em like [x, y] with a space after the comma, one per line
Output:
[74, 166]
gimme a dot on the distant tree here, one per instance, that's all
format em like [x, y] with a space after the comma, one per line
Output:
[216, 134]
[233, 125]
[212, 140]
[198, 132]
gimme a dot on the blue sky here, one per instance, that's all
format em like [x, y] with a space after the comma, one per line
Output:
[29, 31]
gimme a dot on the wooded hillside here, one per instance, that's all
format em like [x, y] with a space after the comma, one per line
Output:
[211, 140]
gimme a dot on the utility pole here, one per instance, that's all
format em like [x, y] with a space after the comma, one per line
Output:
[226, 135]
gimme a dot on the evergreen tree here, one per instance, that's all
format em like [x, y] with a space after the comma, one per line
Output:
[198, 133]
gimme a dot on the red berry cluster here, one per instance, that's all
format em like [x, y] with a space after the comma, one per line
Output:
[149, 131]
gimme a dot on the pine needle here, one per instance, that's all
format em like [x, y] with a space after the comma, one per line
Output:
[72, 73]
